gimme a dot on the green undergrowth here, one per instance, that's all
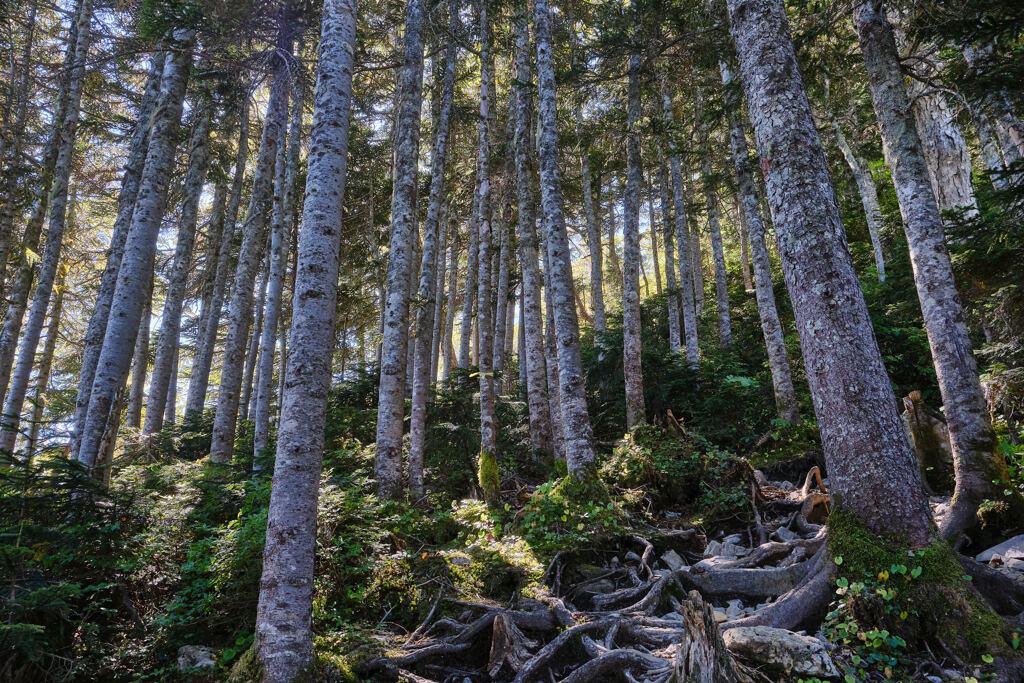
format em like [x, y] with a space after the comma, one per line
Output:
[653, 466]
[893, 602]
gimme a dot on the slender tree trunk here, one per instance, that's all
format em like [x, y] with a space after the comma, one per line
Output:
[715, 230]
[774, 340]
[675, 335]
[391, 405]
[439, 297]
[447, 350]
[868, 198]
[686, 281]
[977, 460]
[593, 239]
[284, 217]
[259, 308]
[171, 402]
[632, 344]
[870, 462]
[551, 362]
[502, 297]
[577, 433]
[170, 326]
[614, 265]
[529, 242]
[130, 179]
[240, 310]
[284, 633]
[469, 291]
[488, 465]
[43, 374]
[18, 295]
[59, 209]
[989, 149]
[653, 231]
[140, 365]
[743, 231]
[136, 271]
[203, 360]
[428, 313]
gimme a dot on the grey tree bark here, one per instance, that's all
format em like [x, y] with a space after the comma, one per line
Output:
[170, 326]
[771, 327]
[391, 405]
[427, 295]
[447, 350]
[283, 219]
[436, 336]
[653, 231]
[675, 336]
[240, 309]
[631, 345]
[139, 369]
[43, 373]
[59, 208]
[202, 361]
[551, 361]
[487, 466]
[593, 237]
[130, 179]
[246, 403]
[870, 462]
[469, 291]
[284, 634]
[715, 231]
[171, 402]
[18, 295]
[976, 458]
[686, 291]
[532, 324]
[744, 237]
[501, 303]
[868, 197]
[136, 271]
[577, 433]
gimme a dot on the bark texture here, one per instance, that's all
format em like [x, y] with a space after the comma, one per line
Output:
[771, 327]
[391, 406]
[869, 458]
[284, 634]
[202, 361]
[284, 217]
[868, 197]
[59, 209]
[254, 235]
[576, 429]
[687, 305]
[532, 322]
[976, 459]
[136, 271]
[170, 326]
[631, 343]
[675, 337]
[427, 293]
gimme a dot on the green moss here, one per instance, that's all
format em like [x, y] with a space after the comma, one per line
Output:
[487, 475]
[582, 487]
[247, 668]
[922, 595]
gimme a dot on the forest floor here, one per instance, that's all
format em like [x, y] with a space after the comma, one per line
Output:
[658, 602]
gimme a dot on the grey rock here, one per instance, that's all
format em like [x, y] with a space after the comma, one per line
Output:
[780, 650]
[1014, 544]
[196, 657]
[785, 535]
[632, 557]
[672, 560]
